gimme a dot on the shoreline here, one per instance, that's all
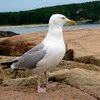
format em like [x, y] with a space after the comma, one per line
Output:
[34, 25]
[23, 26]
[38, 27]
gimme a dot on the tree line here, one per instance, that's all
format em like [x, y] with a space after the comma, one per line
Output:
[89, 10]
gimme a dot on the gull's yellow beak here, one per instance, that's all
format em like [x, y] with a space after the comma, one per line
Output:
[72, 22]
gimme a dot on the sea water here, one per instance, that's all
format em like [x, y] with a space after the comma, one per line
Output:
[24, 30]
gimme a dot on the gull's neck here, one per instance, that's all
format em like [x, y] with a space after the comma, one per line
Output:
[54, 33]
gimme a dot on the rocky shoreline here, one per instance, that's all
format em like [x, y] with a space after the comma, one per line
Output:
[78, 75]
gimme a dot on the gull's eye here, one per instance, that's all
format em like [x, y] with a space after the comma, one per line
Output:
[63, 17]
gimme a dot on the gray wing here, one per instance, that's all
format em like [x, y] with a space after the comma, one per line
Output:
[30, 58]
[36, 48]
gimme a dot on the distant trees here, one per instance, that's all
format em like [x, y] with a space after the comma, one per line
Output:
[89, 10]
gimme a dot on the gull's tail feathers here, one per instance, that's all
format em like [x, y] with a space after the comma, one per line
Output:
[8, 64]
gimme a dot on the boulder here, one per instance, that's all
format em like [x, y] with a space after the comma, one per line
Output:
[11, 74]
[94, 60]
[75, 81]
[7, 34]
[80, 40]
[69, 55]
[73, 76]
[61, 92]
[91, 90]
[17, 45]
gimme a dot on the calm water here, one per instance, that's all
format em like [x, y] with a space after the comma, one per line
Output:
[45, 28]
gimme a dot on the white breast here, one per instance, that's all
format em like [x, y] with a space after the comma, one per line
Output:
[55, 52]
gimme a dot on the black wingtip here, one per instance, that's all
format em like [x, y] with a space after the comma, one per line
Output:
[2, 64]
[5, 65]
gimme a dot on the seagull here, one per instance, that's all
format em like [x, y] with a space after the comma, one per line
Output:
[46, 55]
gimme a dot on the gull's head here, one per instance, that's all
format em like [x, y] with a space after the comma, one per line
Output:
[60, 20]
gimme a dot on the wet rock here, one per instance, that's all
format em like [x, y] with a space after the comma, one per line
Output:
[7, 33]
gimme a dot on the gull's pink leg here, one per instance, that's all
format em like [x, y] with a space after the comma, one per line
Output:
[40, 90]
[51, 84]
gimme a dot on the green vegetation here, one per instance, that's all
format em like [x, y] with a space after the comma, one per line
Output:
[89, 10]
